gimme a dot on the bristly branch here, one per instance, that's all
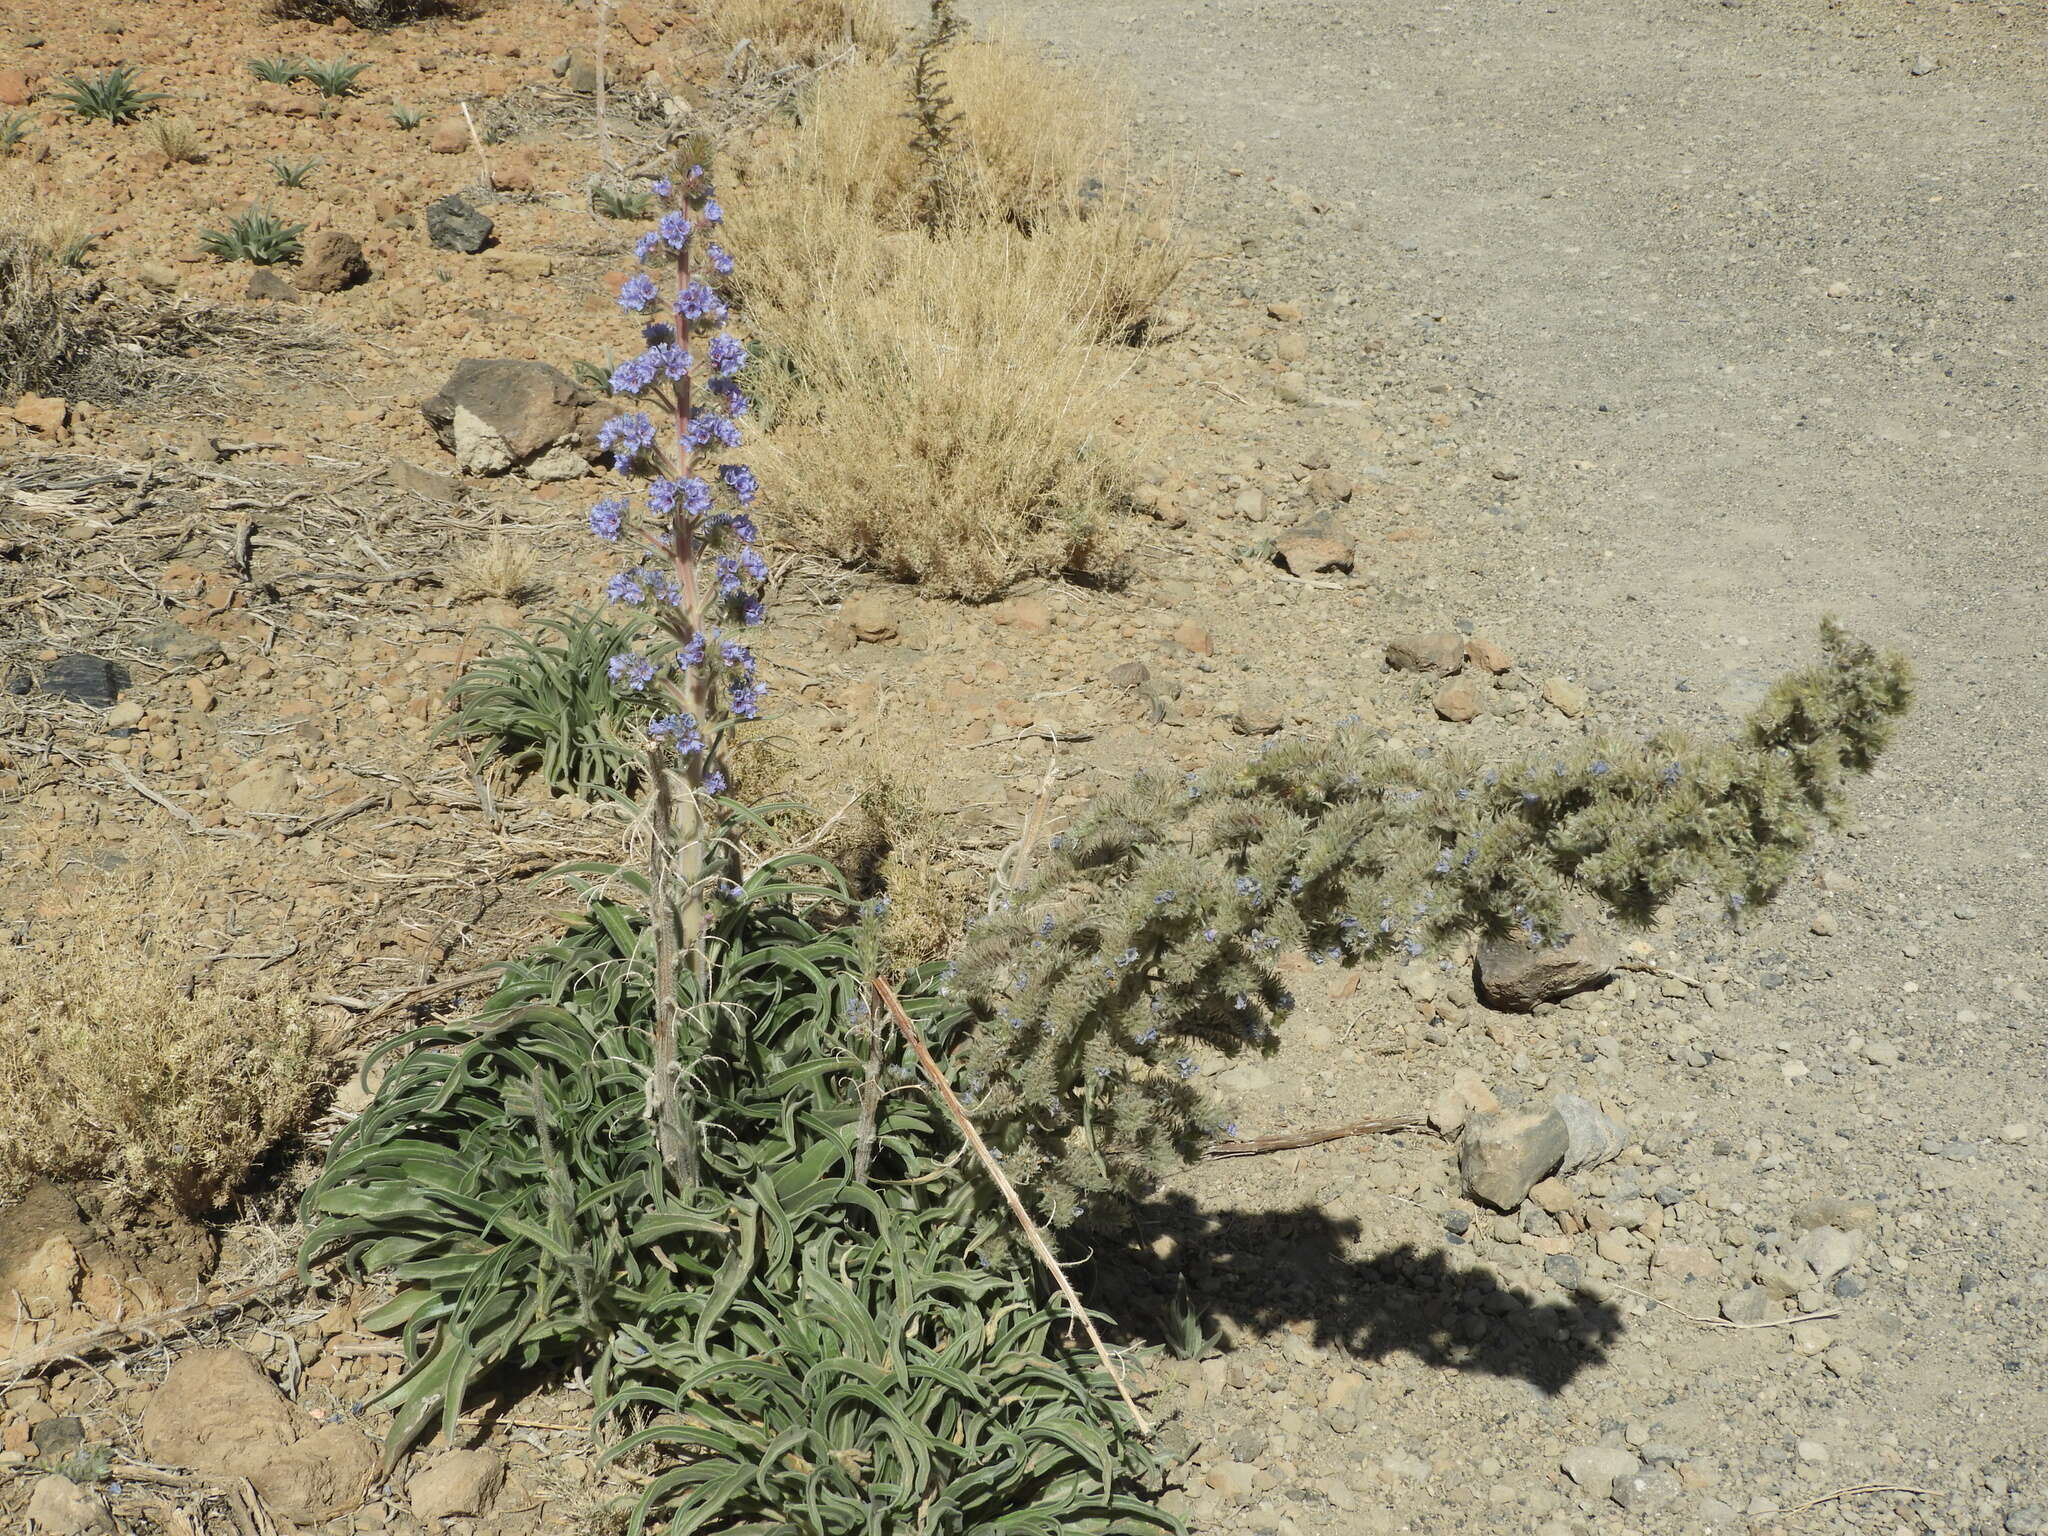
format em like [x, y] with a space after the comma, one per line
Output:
[1162, 915]
[935, 141]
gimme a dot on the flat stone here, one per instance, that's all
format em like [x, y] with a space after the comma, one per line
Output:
[1596, 1468]
[456, 1483]
[1487, 656]
[59, 1507]
[265, 283]
[85, 679]
[870, 619]
[1565, 696]
[1501, 1156]
[436, 487]
[1441, 652]
[558, 464]
[1751, 1304]
[1307, 553]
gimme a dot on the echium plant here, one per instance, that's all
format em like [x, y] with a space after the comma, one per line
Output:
[696, 569]
[1160, 917]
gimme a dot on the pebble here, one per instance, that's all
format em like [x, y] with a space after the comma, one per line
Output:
[1596, 1468]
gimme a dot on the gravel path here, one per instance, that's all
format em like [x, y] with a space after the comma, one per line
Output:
[1749, 295]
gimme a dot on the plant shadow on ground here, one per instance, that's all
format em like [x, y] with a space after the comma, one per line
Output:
[1265, 1271]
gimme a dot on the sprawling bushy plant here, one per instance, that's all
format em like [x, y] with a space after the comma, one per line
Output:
[547, 704]
[1161, 916]
[674, 1146]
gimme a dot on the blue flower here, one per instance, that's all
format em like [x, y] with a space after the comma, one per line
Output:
[637, 292]
[1600, 768]
[1185, 1066]
[741, 482]
[664, 188]
[627, 437]
[646, 245]
[1671, 773]
[713, 214]
[626, 587]
[1443, 863]
[728, 355]
[630, 670]
[608, 517]
[697, 302]
[674, 229]
[721, 263]
[679, 731]
[634, 376]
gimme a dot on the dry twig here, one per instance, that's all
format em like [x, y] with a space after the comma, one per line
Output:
[1258, 1145]
[1722, 1322]
[1032, 1235]
[117, 1336]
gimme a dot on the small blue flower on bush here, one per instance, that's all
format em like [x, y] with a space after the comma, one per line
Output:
[694, 566]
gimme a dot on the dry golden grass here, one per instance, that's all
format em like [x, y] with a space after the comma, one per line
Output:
[804, 31]
[176, 140]
[941, 398]
[1034, 153]
[112, 1072]
[942, 423]
[497, 568]
[35, 329]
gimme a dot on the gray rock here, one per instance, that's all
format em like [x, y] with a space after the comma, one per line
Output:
[1129, 674]
[445, 489]
[1566, 1270]
[1828, 1250]
[1597, 1468]
[57, 1438]
[2031, 1521]
[1591, 1137]
[1440, 653]
[558, 463]
[265, 283]
[85, 679]
[1643, 1492]
[455, 226]
[1514, 977]
[494, 413]
[1751, 1304]
[1501, 1156]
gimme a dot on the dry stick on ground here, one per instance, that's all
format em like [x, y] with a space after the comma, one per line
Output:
[490, 184]
[1258, 1145]
[1032, 1235]
[116, 1336]
[1843, 1493]
[1722, 1322]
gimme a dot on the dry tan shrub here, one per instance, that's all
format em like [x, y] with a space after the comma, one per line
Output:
[944, 424]
[38, 331]
[498, 568]
[110, 1070]
[176, 140]
[1034, 153]
[804, 31]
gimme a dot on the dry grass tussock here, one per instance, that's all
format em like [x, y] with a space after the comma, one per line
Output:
[804, 31]
[1034, 151]
[121, 1064]
[176, 140]
[496, 568]
[940, 423]
[37, 331]
[940, 391]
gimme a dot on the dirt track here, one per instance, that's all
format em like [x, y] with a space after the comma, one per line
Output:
[1755, 307]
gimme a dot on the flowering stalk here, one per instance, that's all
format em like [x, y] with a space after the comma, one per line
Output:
[698, 570]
